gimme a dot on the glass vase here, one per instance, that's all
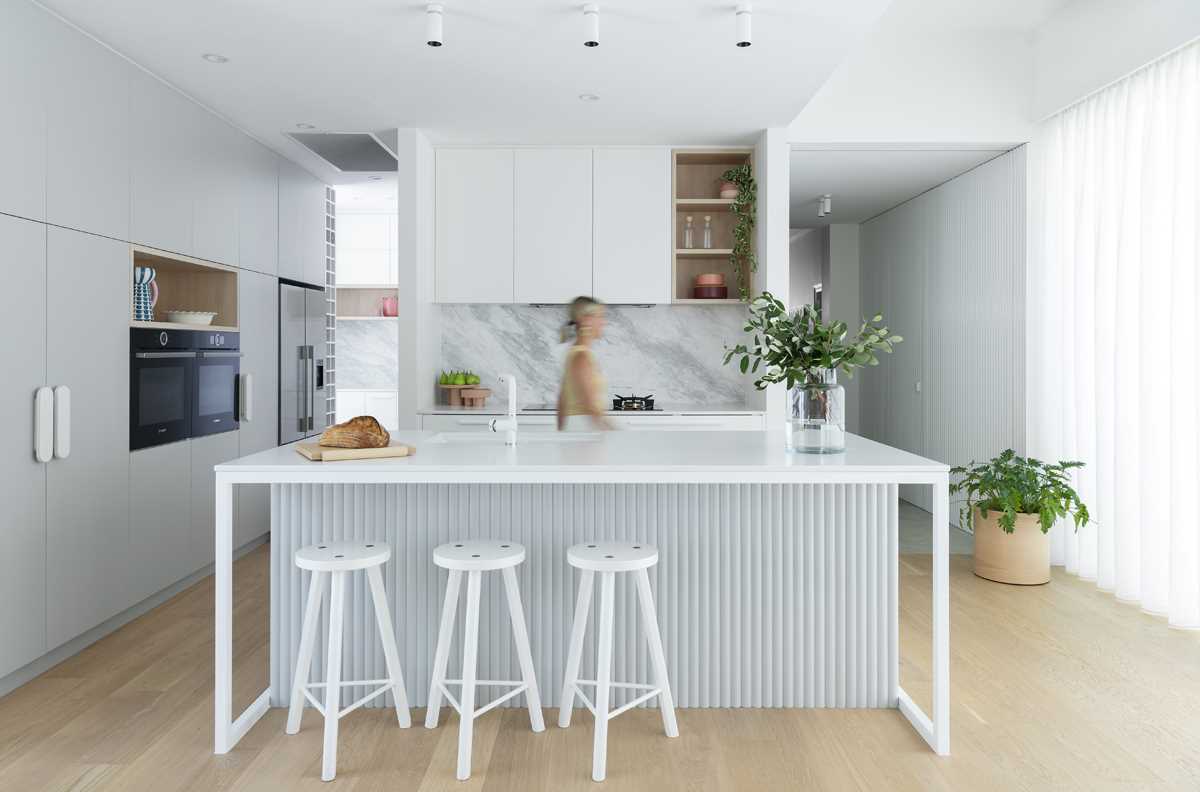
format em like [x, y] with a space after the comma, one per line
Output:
[816, 422]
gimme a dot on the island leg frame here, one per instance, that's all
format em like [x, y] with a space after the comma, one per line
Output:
[934, 728]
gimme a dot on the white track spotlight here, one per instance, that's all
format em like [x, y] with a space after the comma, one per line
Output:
[743, 24]
[433, 24]
[591, 25]
[827, 204]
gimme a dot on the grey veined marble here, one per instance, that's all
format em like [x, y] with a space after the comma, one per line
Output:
[671, 351]
[367, 354]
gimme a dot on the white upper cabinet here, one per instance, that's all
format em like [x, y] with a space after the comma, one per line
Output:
[215, 202]
[366, 249]
[301, 225]
[631, 260]
[23, 55]
[164, 178]
[553, 224]
[258, 207]
[474, 225]
[88, 135]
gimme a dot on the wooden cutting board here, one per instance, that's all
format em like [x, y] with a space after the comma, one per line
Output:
[319, 453]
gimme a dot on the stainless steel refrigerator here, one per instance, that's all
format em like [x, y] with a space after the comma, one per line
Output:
[301, 362]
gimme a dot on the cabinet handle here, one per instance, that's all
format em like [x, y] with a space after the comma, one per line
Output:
[43, 424]
[62, 422]
[163, 355]
[247, 398]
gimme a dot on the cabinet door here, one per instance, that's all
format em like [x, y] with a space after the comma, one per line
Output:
[384, 405]
[88, 143]
[206, 452]
[215, 202]
[160, 517]
[365, 248]
[553, 225]
[23, 55]
[258, 313]
[164, 172]
[87, 494]
[258, 208]
[301, 225]
[22, 479]
[474, 225]
[632, 225]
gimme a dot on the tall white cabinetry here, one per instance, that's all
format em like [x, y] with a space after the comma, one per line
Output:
[22, 477]
[474, 225]
[631, 225]
[87, 504]
[259, 425]
[301, 225]
[23, 133]
[553, 224]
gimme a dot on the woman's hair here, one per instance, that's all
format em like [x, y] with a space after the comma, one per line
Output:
[579, 308]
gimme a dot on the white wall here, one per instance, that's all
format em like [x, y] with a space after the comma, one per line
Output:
[947, 270]
[842, 301]
[1089, 43]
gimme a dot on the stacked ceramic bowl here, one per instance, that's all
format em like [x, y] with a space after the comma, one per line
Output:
[710, 286]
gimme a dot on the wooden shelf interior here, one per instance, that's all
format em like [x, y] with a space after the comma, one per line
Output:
[188, 285]
[362, 302]
[695, 191]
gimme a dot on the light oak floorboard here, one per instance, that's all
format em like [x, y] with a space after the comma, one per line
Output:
[1054, 687]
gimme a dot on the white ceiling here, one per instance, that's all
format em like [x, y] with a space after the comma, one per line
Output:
[667, 71]
[865, 182]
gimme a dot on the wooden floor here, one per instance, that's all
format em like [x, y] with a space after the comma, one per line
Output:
[1057, 687]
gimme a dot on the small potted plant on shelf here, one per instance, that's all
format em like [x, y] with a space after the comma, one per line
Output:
[1012, 502]
[800, 350]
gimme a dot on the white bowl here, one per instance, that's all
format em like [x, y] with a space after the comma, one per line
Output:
[190, 317]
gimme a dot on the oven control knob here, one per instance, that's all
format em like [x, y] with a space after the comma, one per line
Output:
[162, 338]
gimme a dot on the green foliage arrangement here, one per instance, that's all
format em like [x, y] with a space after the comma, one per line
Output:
[798, 346]
[1014, 485]
[744, 208]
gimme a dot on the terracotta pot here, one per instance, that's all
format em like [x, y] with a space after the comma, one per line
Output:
[710, 279]
[728, 190]
[1021, 557]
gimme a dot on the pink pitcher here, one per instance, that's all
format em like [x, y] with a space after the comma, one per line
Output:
[389, 306]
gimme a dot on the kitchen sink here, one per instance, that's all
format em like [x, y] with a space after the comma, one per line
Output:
[523, 438]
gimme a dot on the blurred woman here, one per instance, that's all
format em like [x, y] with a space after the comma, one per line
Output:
[582, 399]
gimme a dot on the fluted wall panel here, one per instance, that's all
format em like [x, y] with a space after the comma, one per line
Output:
[767, 595]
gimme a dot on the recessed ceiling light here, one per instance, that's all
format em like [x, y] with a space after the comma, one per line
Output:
[589, 98]
[213, 57]
[375, 178]
[303, 125]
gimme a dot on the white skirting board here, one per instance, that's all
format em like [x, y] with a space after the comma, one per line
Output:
[768, 595]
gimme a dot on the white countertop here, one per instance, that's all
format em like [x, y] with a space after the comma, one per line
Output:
[666, 409]
[601, 457]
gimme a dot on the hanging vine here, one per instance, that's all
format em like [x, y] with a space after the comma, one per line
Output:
[745, 206]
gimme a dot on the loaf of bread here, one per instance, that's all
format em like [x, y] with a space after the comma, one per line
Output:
[361, 432]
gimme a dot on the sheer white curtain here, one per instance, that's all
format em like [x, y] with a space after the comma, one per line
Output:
[1114, 339]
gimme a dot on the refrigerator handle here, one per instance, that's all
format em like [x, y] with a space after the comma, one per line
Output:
[311, 387]
[302, 399]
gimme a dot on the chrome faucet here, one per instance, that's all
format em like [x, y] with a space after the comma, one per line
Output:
[509, 425]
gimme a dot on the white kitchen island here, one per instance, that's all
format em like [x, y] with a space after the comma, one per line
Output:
[777, 585]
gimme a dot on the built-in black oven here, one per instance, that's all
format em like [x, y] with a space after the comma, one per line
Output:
[182, 383]
[215, 390]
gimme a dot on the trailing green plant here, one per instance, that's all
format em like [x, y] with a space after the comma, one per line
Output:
[745, 209]
[1012, 485]
[797, 347]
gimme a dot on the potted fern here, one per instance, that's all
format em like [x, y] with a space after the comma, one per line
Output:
[798, 349]
[1012, 502]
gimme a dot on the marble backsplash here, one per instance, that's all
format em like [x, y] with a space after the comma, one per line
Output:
[671, 351]
[366, 354]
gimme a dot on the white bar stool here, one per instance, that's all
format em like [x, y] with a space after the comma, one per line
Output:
[609, 558]
[475, 558]
[337, 560]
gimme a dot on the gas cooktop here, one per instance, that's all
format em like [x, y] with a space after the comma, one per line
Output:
[634, 404]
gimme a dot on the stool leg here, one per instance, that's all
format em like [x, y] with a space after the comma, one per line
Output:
[333, 686]
[308, 639]
[521, 637]
[650, 626]
[388, 636]
[603, 677]
[575, 649]
[466, 714]
[441, 655]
